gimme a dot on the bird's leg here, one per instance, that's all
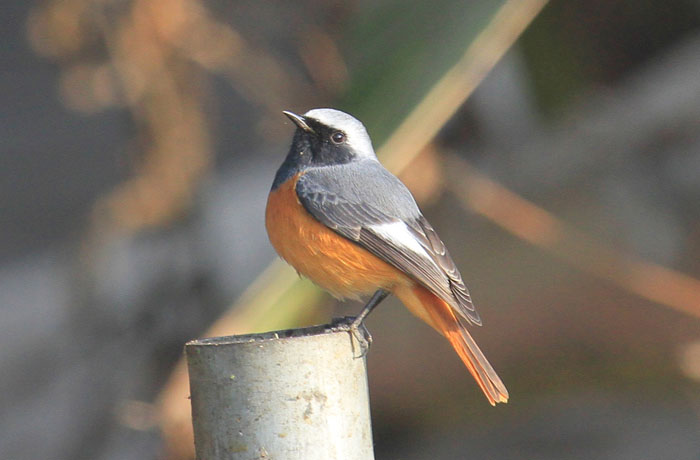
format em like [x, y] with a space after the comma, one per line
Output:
[376, 299]
[356, 325]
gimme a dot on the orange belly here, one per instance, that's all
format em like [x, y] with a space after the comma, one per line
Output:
[333, 262]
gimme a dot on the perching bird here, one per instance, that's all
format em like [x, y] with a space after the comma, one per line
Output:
[341, 219]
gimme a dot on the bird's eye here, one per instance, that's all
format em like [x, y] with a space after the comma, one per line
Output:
[338, 137]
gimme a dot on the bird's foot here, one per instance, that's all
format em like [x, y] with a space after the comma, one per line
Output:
[358, 333]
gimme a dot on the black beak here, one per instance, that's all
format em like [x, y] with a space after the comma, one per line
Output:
[299, 121]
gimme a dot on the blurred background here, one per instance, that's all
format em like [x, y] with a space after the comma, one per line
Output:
[555, 147]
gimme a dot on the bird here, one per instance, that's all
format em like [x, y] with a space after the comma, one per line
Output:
[341, 219]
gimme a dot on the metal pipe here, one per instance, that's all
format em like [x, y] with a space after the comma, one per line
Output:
[294, 394]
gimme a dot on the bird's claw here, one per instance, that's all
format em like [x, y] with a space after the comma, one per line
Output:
[358, 333]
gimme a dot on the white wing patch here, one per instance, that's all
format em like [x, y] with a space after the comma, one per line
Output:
[397, 232]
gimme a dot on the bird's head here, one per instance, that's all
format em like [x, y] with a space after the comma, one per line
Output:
[329, 137]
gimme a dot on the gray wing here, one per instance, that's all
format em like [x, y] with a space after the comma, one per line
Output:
[368, 205]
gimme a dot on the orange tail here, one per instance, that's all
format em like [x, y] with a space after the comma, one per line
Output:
[441, 317]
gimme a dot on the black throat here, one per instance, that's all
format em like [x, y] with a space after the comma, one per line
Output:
[310, 150]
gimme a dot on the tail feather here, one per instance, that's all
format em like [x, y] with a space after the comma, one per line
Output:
[455, 331]
[476, 362]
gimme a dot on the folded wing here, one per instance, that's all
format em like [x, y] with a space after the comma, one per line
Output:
[374, 209]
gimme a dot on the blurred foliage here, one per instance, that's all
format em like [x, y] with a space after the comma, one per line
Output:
[396, 54]
[574, 45]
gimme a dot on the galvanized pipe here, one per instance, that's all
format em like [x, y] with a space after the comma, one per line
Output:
[296, 394]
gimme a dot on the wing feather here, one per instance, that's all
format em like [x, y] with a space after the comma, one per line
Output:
[390, 227]
[429, 238]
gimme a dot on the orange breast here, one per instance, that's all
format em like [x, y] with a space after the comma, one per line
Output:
[333, 262]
